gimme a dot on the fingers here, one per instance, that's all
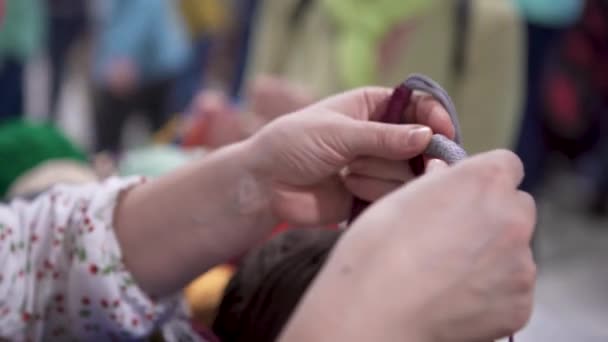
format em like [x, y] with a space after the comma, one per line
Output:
[331, 195]
[528, 210]
[434, 165]
[499, 166]
[369, 104]
[372, 178]
[365, 104]
[381, 169]
[425, 110]
[370, 189]
[373, 139]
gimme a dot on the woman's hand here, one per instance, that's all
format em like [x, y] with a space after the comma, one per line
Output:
[301, 155]
[445, 259]
[224, 204]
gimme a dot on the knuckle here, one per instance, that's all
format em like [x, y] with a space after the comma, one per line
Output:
[385, 139]
[501, 163]
[526, 278]
[531, 273]
[529, 205]
[521, 313]
[518, 230]
[490, 172]
[507, 157]
[520, 222]
[516, 317]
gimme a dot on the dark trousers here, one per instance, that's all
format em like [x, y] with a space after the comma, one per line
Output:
[63, 33]
[111, 112]
[11, 89]
[532, 146]
[191, 80]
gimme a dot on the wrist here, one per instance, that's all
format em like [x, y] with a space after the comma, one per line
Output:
[254, 191]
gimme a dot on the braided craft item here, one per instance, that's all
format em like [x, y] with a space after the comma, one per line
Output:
[440, 146]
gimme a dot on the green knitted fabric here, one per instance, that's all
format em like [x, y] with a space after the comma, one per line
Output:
[25, 145]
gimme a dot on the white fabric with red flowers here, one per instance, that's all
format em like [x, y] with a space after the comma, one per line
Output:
[62, 275]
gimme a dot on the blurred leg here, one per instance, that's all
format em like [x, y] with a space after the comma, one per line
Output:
[63, 35]
[111, 112]
[599, 201]
[155, 100]
[247, 17]
[191, 80]
[532, 146]
[57, 51]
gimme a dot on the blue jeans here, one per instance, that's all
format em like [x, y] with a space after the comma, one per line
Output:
[531, 145]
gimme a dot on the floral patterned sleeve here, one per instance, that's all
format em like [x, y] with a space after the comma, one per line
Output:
[61, 272]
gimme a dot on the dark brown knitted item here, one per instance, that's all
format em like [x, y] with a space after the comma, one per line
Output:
[268, 286]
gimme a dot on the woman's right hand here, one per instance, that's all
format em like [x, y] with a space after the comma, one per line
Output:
[445, 258]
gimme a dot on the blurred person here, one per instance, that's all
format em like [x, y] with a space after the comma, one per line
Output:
[247, 11]
[574, 99]
[466, 45]
[229, 40]
[21, 38]
[141, 48]
[546, 24]
[98, 262]
[207, 22]
[212, 120]
[67, 24]
[551, 13]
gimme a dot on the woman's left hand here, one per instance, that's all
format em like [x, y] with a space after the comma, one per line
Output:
[316, 159]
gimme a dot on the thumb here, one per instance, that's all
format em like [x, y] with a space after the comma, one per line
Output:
[394, 142]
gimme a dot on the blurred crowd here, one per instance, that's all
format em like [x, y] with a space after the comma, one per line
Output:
[529, 75]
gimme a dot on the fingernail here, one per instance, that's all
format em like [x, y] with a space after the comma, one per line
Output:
[419, 136]
[434, 165]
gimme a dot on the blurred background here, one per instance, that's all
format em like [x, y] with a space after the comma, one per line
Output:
[93, 88]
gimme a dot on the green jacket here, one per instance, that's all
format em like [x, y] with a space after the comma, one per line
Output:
[22, 29]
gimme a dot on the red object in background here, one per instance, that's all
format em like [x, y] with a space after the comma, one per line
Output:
[562, 100]
[280, 228]
[575, 85]
[197, 134]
